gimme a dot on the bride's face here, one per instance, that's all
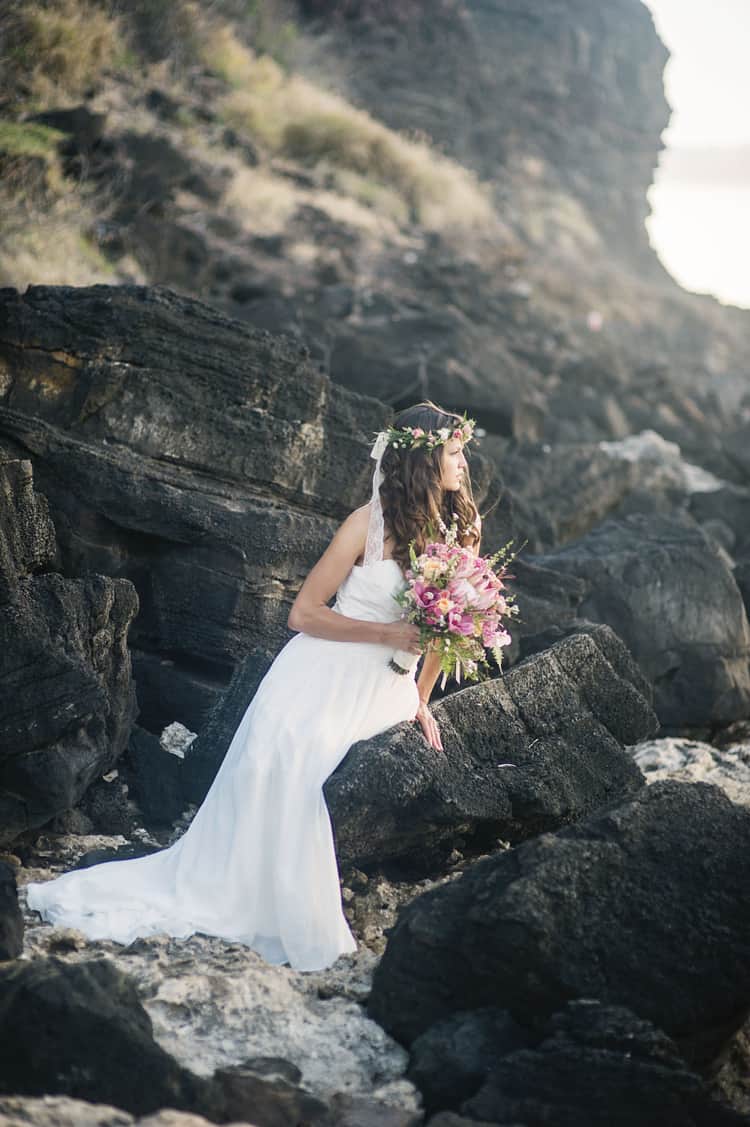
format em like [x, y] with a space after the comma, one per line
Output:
[453, 464]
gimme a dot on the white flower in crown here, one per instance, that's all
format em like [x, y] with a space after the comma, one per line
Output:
[405, 438]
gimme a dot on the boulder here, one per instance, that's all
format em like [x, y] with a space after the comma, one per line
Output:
[667, 590]
[79, 1029]
[524, 753]
[600, 1065]
[642, 905]
[66, 695]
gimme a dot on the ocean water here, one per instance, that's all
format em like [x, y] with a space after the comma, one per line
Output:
[701, 233]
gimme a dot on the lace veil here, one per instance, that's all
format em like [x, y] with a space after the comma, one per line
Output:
[375, 528]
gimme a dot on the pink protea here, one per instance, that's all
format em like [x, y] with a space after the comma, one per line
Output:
[462, 592]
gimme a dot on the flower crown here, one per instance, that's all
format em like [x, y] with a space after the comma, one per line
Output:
[403, 438]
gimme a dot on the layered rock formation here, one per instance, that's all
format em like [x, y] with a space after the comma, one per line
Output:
[188, 454]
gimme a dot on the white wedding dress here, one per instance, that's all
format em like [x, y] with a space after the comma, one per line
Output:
[257, 864]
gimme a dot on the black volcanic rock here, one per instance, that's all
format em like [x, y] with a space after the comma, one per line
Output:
[603, 1066]
[642, 905]
[450, 1061]
[204, 461]
[66, 696]
[667, 590]
[79, 1029]
[559, 718]
[154, 778]
[27, 535]
[207, 462]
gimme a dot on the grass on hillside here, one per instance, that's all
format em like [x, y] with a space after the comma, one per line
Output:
[56, 51]
[293, 117]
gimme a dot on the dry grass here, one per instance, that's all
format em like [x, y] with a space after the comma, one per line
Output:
[347, 148]
[56, 51]
[262, 202]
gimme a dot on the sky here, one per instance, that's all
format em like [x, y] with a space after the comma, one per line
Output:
[700, 222]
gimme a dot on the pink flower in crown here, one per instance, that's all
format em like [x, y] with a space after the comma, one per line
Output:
[417, 432]
[458, 433]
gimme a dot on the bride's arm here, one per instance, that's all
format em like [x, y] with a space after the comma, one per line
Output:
[309, 612]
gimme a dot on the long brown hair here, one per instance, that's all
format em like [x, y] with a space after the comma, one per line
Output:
[412, 495]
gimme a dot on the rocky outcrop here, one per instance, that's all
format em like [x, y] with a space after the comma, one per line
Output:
[207, 462]
[667, 590]
[561, 492]
[106, 390]
[641, 905]
[67, 695]
[551, 103]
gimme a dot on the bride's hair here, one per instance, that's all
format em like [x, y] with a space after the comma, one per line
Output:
[411, 493]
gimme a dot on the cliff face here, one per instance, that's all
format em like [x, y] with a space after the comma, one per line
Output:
[560, 104]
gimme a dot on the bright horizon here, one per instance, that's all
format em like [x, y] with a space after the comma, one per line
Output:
[700, 201]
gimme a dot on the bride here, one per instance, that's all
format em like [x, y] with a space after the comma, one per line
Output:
[257, 864]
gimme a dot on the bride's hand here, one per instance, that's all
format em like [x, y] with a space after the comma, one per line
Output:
[429, 725]
[404, 636]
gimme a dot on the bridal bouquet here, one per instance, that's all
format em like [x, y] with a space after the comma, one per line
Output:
[458, 601]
